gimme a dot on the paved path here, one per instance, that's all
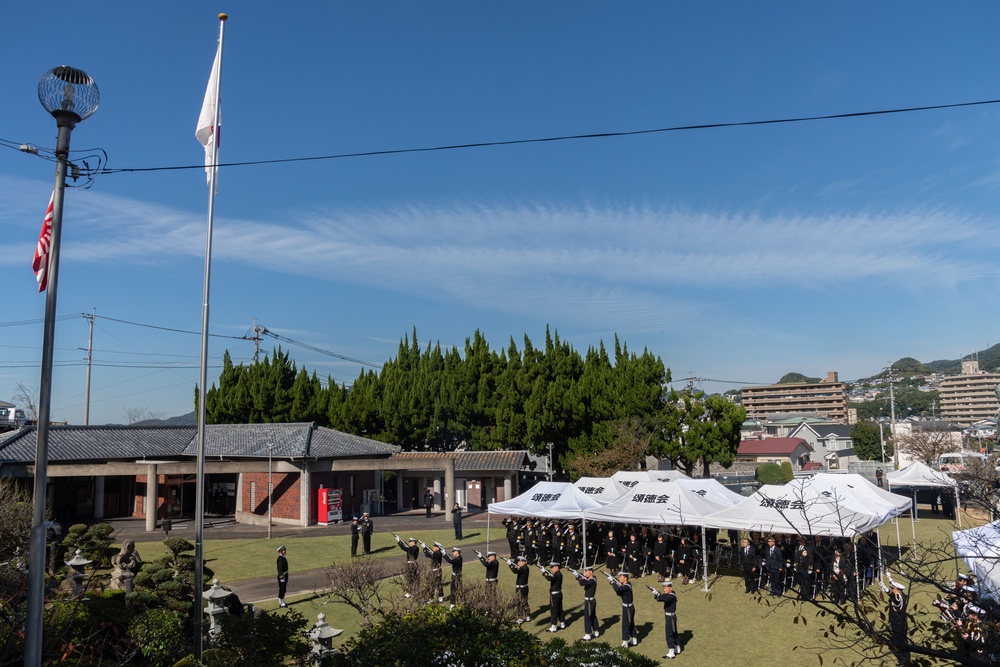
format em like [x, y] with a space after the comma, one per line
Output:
[310, 581]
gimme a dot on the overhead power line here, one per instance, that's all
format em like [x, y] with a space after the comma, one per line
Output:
[565, 137]
[320, 350]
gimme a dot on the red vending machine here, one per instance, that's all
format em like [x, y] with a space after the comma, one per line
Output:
[330, 507]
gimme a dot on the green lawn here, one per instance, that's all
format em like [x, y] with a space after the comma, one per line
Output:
[720, 627]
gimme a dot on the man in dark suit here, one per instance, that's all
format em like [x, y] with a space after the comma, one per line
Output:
[750, 563]
[775, 560]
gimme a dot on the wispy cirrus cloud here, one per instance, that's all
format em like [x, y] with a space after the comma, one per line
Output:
[658, 264]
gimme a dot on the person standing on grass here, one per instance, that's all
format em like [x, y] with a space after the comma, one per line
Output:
[556, 619]
[355, 535]
[520, 568]
[367, 528]
[282, 576]
[589, 583]
[669, 600]
[436, 555]
[492, 566]
[623, 589]
[456, 520]
[456, 575]
[410, 570]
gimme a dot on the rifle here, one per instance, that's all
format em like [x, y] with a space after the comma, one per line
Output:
[508, 561]
[422, 545]
[575, 573]
[542, 569]
[397, 537]
[479, 553]
[651, 588]
[610, 578]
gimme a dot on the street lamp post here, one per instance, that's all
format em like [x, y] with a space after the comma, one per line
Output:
[71, 96]
[881, 438]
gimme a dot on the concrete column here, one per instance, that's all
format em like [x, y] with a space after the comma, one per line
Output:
[438, 497]
[449, 487]
[507, 488]
[99, 497]
[305, 495]
[400, 501]
[151, 495]
[239, 492]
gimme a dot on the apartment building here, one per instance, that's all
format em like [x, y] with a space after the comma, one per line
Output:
[826, 398]
[970, 396]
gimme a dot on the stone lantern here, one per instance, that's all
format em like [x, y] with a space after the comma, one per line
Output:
[77, 572]
[322, 638]
[216, 597]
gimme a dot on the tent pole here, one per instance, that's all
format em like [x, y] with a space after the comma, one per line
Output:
[878, 537]
[913, 525]
[704, 558]
[958, 505]
[583, 516]
[488, 514]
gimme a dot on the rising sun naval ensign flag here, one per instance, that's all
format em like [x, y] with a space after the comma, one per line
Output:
[41, 261]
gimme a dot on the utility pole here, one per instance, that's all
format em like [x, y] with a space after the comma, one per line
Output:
[892, 420]
[90, 358]
[256, 340]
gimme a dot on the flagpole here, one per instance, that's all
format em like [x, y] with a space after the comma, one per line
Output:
[199, 504]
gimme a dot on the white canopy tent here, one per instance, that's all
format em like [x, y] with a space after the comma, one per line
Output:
[856, 493]
[603, 489]
[665, 475]
[919, 476]
[793, 509]
[549, 500]
[682, 502]
[980, 548]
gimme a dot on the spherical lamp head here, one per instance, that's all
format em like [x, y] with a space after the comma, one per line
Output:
[68, 93]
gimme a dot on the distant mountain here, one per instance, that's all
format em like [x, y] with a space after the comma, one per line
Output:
[797, 378]
[183, 420]
[989, 361]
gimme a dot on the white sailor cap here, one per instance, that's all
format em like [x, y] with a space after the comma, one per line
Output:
[491, 553]
[439, 545]
[281, 548]
[973, 609]
[968, 589]
[520, 558]
[623, 573]
[458, 549]
[668, 583]
[555, 563]
[411, 539]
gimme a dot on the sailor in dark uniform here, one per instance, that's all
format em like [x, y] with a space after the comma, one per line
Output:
[669, 600]
[436, 554]
[775, 560]
[623, 589]
[412, 556]
[520, 568]
[897, 620]
[556, 619]
[456, 574]
[282, 576]
[589, 583]
[660, 554]
[367, 528]
[355, 535]
[511, 525]
[492, 566]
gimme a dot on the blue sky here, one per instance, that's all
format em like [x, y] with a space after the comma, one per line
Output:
[735, 254]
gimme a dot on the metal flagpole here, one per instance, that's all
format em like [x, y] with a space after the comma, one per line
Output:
[199, 505]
